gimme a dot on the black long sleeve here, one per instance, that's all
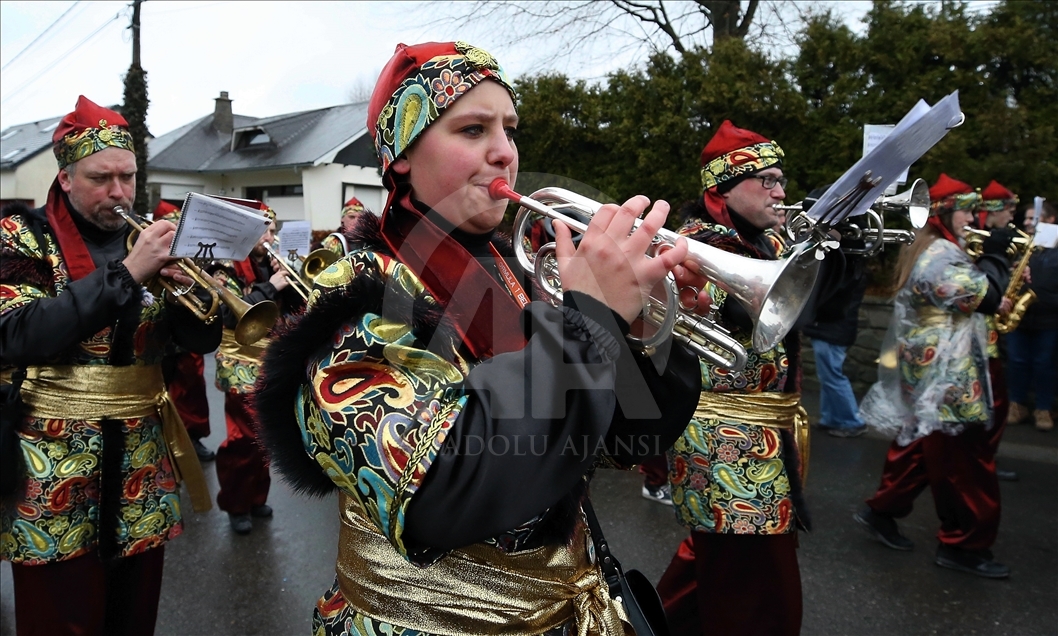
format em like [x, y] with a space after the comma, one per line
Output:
[536, 419]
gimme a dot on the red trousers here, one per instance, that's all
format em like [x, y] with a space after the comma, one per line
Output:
[187, 388]
[242, 465]
[961, 472]
[727, 584]
[86, 597]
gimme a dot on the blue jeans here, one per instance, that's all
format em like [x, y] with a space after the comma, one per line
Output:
[837, 403]
[1032, 355]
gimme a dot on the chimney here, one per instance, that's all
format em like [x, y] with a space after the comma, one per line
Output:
[223, 122]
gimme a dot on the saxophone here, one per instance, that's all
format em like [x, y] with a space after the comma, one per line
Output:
[1020, 300]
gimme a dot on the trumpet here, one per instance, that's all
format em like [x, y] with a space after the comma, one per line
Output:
[317, 261]
[774, 292]
[253, 321]
[297, 283]
[913, 202]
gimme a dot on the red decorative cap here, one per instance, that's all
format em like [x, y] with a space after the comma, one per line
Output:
[946, 187]
[996, 190]
[733, 152]
[89, 129]
[417, 85]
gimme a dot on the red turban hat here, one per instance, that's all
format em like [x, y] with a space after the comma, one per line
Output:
[733, 152]
[89, 129]
[996, 197]
[353, 207]
[416, 86]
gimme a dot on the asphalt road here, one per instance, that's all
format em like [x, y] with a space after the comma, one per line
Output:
[221, 584]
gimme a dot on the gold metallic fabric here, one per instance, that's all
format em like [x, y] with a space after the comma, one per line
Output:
[475, 590]
[246, 353]
[102, 392]
[771, 409]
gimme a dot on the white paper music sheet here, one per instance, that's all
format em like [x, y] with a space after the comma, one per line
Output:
[920, 129]
[1046, 235]
[212, 228]
[295, 235]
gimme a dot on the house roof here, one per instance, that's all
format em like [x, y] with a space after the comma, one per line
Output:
[296, 139]
[24, 141]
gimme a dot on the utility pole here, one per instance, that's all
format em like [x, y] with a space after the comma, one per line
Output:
[135, 112]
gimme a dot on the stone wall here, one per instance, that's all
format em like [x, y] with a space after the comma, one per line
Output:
[861, 364]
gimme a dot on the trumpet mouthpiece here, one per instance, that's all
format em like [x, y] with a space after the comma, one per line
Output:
[499, 189]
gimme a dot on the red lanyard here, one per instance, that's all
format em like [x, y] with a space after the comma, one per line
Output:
[509, 279]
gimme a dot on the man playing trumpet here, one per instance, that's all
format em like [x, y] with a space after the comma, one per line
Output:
[242, 465]
[735, 474]
[98, 495]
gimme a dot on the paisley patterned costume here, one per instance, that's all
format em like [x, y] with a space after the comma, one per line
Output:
[934, 371]
[728, 476]
[242, 465]
[383, 399]
[61, 514]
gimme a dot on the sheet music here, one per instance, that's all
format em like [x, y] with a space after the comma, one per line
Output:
[295, 235]
[1046, 235]
[919, 130]
[213, 228]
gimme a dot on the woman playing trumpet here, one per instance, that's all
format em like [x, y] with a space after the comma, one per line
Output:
[459, 420]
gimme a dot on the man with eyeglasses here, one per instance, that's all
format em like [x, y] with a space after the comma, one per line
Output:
[735, 475]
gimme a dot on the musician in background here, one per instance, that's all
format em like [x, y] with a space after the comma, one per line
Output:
[338, 242]
[1032, 348]
[934, 391]
[998, 205]
[98, 498]
[184, 372]
[242, 464]
[839, 415]
[735, 474]
[391, 381]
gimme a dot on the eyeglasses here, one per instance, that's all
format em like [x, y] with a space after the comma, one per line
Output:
[770, 181]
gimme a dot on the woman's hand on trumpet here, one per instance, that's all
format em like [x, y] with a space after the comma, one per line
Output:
[611, 262]
[150, 255]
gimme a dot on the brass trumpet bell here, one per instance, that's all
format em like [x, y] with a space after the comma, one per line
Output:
[317, 261]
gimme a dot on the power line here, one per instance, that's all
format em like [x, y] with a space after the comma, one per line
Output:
[61, 58]
[36, 39]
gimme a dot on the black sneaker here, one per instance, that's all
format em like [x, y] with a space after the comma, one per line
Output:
[846, 432]
[241, 524]
[660, 494]
[883, 528]
[977, 562]
[262, 511]
[204, 454]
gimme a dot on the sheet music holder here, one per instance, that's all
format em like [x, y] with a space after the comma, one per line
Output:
[856, 190]
[218, 228]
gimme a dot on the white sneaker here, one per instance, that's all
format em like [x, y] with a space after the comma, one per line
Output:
[661, 494]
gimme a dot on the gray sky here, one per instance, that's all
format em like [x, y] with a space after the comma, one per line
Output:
[272, 57]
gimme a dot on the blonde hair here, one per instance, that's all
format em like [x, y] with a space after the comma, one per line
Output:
[909, 254]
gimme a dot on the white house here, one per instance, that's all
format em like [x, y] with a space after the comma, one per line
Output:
[304, 165]
[27, 164]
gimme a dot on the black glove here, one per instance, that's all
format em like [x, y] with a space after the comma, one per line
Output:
[998, 242]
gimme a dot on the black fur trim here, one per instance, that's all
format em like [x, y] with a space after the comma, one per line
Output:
[284, 365]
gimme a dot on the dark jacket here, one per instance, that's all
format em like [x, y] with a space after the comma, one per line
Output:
[1043, 314]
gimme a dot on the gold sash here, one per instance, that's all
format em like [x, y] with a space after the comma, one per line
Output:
[246, 353]
[477, 589]
[770, 409]
[102, 392]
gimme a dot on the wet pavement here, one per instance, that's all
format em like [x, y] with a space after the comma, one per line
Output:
[219, 583]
